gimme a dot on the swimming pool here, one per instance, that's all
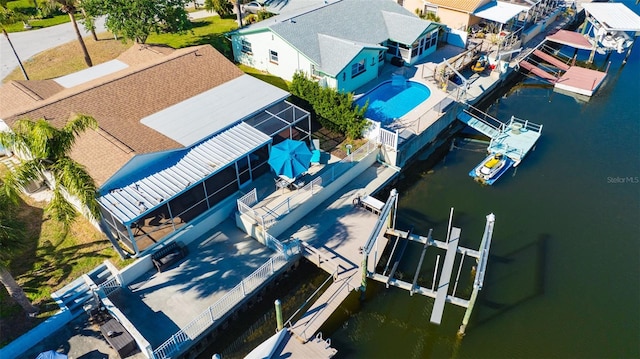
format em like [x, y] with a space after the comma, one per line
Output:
[393, 99]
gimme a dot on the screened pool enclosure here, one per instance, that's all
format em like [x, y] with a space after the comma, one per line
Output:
[155, 195]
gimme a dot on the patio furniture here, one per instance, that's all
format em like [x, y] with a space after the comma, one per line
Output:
[315, 152]
[168, 255]
[281, 183]
[118, 337]
[370, 203]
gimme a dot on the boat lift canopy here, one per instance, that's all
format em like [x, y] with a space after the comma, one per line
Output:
[570, 38]
[613, 16]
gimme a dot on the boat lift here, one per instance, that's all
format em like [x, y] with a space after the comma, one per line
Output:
[452, 247]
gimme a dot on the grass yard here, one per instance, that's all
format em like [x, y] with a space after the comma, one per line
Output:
[52, 257]
[68, 58]
[210, 30]
[26, 7]
[268, 78]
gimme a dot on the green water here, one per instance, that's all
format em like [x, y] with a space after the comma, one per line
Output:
[563, 279]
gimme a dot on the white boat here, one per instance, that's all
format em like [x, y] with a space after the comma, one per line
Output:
[491, 168]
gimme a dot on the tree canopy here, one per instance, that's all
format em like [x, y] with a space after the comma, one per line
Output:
[136, 20]
[44, 150]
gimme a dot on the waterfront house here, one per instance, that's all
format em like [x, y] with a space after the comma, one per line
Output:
[458, 15]
[180, 132]
[343, 44]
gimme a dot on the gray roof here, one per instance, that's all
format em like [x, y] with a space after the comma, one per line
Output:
[200, 116]
[361, 23]
[134, 200]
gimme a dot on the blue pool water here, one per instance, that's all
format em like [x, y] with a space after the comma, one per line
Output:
[390, 101]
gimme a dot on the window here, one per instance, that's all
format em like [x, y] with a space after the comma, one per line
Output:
[381, 56]
[357, 68]
[246, 46]
[273, 56]
[314, 71]
[431, 9]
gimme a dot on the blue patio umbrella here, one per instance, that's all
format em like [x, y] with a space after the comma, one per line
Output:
[51, 354]
[290, 158]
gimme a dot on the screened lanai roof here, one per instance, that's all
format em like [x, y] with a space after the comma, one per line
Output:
[193, 119]
[141, 196]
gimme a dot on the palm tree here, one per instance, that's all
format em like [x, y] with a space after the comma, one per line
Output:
[11, 240]
[45, 157]
[71, 7]
[8, 17]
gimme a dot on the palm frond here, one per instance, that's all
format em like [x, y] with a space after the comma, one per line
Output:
[61, 209]
[76, 180]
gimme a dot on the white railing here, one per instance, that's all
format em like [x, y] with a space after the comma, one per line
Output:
[110, 286]
[287, 205]
[250, 198]
[389, 138]
[527, 125]
[219, 309]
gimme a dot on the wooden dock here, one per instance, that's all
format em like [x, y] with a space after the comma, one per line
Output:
[338, 250]
[445, 276]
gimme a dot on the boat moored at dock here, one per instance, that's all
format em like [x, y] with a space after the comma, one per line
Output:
[491, 168]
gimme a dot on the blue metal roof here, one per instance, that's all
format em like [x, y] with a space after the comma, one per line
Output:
[130, 202]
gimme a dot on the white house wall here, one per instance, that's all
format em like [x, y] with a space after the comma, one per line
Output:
[289, 59]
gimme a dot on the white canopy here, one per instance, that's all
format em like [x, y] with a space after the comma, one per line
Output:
[499, 11]
[613, 16]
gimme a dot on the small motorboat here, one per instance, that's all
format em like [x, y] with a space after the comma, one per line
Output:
[491, 168]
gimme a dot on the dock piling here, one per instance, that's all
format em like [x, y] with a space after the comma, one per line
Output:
[279, 321]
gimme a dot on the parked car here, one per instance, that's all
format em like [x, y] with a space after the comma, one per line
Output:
[252, 7]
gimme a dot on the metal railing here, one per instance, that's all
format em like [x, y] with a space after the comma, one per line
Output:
[530, 126]
[110, 286]
[485, 118]
[219, 309]
[321, 258]
[250, 198]
[275, 213]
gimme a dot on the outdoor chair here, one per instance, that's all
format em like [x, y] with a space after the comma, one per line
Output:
[315, 152]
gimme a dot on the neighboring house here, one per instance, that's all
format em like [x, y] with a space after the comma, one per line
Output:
[342, 44]
[180, 132]
[457, 14]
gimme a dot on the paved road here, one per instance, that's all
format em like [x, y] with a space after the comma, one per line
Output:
[29, 43]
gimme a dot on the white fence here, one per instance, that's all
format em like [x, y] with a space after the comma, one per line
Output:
[219, 309]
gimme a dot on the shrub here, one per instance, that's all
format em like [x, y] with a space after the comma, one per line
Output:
[335, 110]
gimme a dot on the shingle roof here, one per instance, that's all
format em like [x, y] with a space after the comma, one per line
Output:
[461, 5]
[118, 102]
[363, 23]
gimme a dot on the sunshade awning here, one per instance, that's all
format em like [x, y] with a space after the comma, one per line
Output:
[499, 11]
[570, 38]
[131, 202]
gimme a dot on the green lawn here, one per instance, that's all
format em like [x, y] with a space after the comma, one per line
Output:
[268, 78]
[210, 30]
[26, 7]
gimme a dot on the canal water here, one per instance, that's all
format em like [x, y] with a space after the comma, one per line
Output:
[564, 272]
